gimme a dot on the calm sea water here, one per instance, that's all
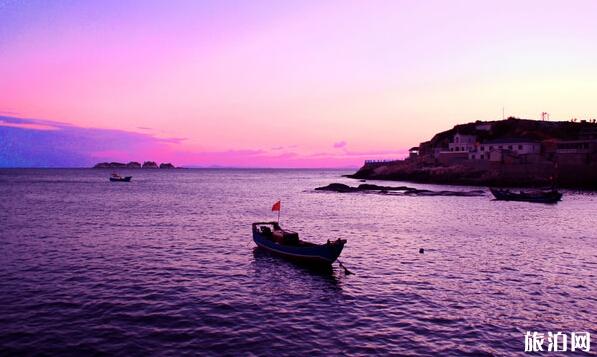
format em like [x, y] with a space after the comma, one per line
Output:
[166, 265]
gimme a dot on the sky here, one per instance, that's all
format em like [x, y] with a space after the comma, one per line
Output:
[279, 83]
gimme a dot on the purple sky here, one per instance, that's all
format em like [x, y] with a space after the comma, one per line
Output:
[281, 83]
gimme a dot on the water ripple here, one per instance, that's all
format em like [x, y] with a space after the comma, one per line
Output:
[166, 265]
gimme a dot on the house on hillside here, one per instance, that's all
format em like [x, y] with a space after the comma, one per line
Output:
[576, 152]
[459, 149]
[463, 143]
[498, 149]
[483, 127]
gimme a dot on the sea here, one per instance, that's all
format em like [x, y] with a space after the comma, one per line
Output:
[166, 265]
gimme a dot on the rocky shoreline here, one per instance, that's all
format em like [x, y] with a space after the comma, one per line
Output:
[397, 190]
[507, 153]
[133, 165]
[497, 175]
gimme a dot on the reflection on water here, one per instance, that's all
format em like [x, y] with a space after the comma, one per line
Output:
[268, 264]
[166, 263]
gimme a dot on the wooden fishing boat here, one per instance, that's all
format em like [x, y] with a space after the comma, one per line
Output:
[118, 178]
[540, 196]
[271, 237]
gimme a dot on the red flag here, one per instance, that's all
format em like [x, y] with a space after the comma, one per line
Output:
[276, 206]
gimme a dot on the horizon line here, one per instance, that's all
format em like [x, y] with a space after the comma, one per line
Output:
[177, 168]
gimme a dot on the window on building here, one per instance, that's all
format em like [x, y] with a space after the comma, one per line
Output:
[519, 147]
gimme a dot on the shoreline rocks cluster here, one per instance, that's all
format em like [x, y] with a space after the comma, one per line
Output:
[397, 190]
[133, 165]
[496, 175]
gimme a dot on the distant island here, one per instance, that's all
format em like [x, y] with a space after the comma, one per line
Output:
[133, 165]
[511, 152]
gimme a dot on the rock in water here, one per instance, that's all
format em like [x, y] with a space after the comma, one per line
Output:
[102, 165]
[337, 187]
[109, 165]
[391, 190]
[150, 165]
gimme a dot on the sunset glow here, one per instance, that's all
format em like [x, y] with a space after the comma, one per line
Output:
[281, 84]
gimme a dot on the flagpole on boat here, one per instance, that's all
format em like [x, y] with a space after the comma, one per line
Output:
[276, 207]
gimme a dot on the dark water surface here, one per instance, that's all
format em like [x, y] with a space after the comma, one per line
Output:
[166, 265]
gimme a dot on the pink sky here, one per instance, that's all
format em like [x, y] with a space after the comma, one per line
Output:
[292, 79]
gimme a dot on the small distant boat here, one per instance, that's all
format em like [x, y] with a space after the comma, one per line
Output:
[118, 178]
[541, 196]
[271, 237]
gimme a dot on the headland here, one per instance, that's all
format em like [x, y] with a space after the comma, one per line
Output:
[511, 152]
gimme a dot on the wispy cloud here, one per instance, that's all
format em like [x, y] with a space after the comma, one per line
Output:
[46, 143]
[288, 147]
[339, 144]
[379, 153]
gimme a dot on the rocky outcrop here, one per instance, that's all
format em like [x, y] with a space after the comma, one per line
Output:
[150, 165]
[396, 190]
[493, 174]
[102, 165]
[133, 165]
[109, 165]
[570, 168]
[337, 187]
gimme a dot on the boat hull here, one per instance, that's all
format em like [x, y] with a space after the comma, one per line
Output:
[321, 254]
[543, 197]
[123, 179]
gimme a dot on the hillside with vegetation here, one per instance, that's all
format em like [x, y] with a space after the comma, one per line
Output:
[568, 156]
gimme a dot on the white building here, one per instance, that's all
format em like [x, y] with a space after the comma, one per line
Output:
[483, 126]
[463, 143]
[493, 149]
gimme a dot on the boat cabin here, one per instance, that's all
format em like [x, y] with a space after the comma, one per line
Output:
[279, 235]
